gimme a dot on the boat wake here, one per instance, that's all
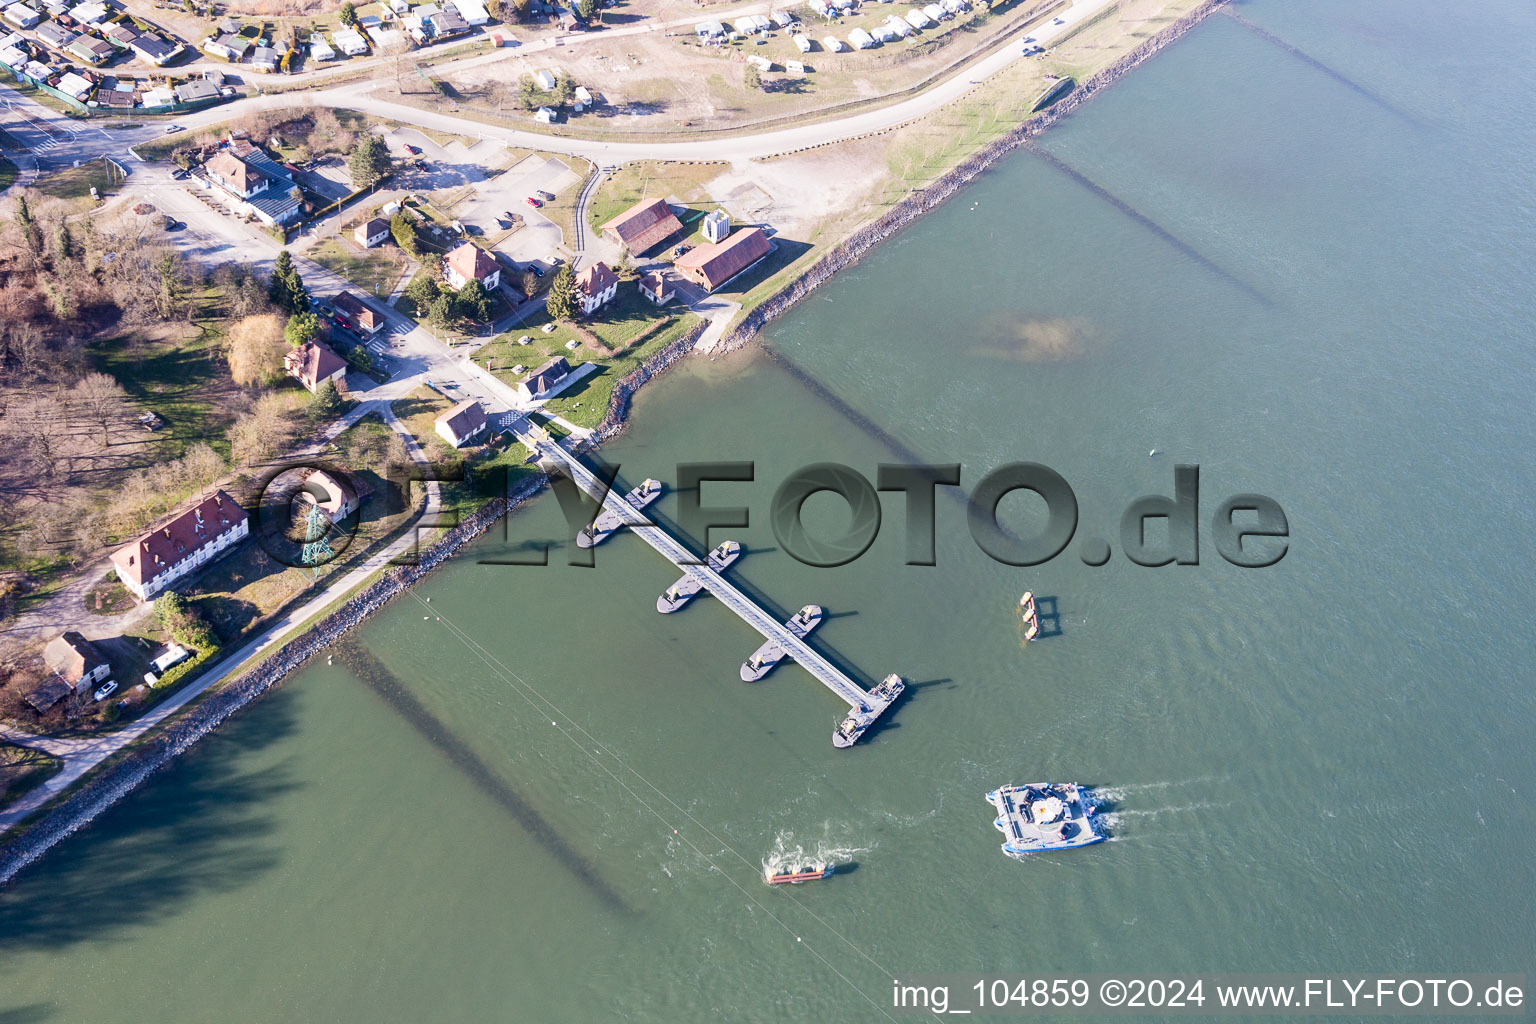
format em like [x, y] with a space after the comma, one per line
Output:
[789, 853]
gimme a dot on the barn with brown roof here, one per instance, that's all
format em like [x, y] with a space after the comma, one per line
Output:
[76, 661]
[643, 226]
[710, 266]
[358, 313]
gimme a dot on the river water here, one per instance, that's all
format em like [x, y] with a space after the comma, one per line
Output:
[1323, 765]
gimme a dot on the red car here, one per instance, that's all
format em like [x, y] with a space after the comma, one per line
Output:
[533, 202]
[413, 150]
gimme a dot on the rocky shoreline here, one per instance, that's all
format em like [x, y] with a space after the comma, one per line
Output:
[852, 249]
[120, 778]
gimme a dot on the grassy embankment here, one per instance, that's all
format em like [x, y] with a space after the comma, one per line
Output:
[22, 770]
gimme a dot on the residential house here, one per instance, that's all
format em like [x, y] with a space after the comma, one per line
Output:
[55, 35]
[472, 11]
[71, 84]
[123, 33]
[544, 115]
[584, 96]
[350, 42]
[545, 380]
[357, 314]
[265, 59]
[195, 92]
[337, 494]
[783, 19]
[935, 12]
[155, 50]
[820, 7]
[372, 232]
[232, 48]
[120, 98]
[643, 226]
[22, 16]
[313, 363]
[319, 49]
[261, 185]
[89, 13]
[190, 540]
[229, 27]
[657, 286]
[159, 96]
[14, 59]
[463, 423]
[76, 661]
[92, 50]
[595, 285]
[711, 266]
[468, 262]
[446, 24]
[794, 67]
[709, 30]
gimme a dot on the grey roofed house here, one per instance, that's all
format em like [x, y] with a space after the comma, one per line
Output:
[237, 46]
[464, 422]
[48, 694]
[229, 26]
[191, 92]
[153, 49]
[545, 377]
[55, 35]
[265, 57]
[115, 98]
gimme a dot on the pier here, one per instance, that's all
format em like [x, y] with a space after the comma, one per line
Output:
[860, 701]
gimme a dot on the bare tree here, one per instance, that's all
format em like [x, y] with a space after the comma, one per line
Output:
[102, 401]
[263, 432]
[256, 350]
[38, 426]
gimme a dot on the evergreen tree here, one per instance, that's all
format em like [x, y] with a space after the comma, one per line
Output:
[473, 303]
[360, 359]
[369, 161]
[286, 289]
[301, 328]
[348, 14]
[326, 402]
[422, 290]
[586, 8]
[527, 92]
[440, 312]
[403, 230]
[561, 302]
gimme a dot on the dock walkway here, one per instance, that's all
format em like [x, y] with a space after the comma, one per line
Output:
[851, 693]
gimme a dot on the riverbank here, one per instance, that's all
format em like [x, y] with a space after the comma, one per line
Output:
[117, 778]
[853, 248]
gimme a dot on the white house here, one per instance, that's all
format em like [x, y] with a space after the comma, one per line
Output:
[583, 96]
[192, 539]
[319, 49]
[463, 423]
[899, 26]
[544, 79]
[745, 25]
[821, 7]
[472, 11]
[89, 13]
[22, 16]
[72, 84]
[468, 262]
[761, 63]
[545, 380]
[76, 661]
[657, 287]
[860, 40]
[350, 42]
[595, 286]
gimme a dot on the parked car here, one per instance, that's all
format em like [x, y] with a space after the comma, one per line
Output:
[537, 270]
[172, 129]
[548, 197]
[532, 202]
[107, 690]
[181, 173]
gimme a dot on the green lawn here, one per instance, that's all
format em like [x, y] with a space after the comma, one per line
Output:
[185, 381]
[77, 182]
[373, 271]
[7, 173]
[650, 180]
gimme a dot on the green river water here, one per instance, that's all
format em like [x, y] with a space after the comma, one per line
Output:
[1320, 766]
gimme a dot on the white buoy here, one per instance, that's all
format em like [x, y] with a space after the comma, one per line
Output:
[1151, 453]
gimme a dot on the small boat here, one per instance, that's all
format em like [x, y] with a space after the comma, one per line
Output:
[608, 523]
[798, 873]
[684, 590]
[765, 658]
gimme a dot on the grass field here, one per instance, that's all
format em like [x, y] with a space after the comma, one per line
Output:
[77, 182]
[373, 271]
[650, 180]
